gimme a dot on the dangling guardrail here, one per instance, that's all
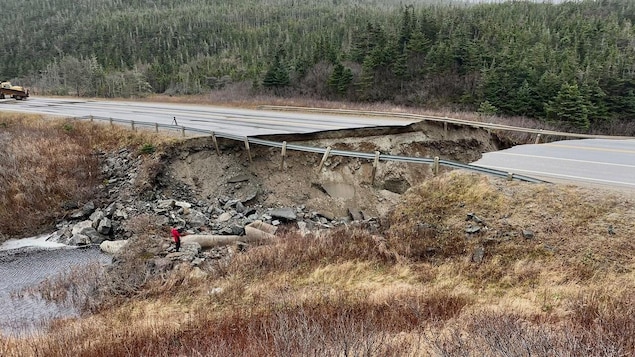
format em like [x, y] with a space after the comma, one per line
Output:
[326, 152]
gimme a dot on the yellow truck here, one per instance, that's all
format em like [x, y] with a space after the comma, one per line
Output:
[16, 92]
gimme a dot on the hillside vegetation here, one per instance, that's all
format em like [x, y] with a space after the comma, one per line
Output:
[415, 287]
[571, 62]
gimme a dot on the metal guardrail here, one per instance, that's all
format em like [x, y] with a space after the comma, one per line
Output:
[462, 122]
[436, 162]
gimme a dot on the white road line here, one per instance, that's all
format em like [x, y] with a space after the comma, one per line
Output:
[578, 178]
[590, 148]
[563, 159]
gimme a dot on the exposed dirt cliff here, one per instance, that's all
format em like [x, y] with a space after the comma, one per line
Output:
[342, 184]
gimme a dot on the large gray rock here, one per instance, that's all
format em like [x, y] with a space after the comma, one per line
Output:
[81, 227]
[225, 217]
[188, 252]
[236, 230]
[96, 217]
[396, 185]
[105, 226]
[85, 211]
[88, 208]
[196, 219]
[368, 216]
[120, 213]
[183, 204]
[110, 210]
[112, 246]
[62, 235]
[85, 228]
[248, 196]
[79, 240]
[284, 213]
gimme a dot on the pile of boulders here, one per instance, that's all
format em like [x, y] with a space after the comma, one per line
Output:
[88, 225]
[207, 223]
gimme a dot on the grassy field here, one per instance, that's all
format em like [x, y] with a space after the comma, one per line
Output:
[411, 288]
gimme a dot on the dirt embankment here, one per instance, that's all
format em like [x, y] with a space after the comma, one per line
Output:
[342, 183]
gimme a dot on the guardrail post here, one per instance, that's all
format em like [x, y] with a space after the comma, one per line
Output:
[445, 128]
[537, 139]
[284, 153]
[91, 118]
[156, 127]
[247, 148]
[215, 143]
[510, 176]
[435, 166]
[132, 124]
[110, 119]
[375, 164]
[326, 155]
[183, 131]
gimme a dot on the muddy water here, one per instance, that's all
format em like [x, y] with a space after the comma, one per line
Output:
[26, 265]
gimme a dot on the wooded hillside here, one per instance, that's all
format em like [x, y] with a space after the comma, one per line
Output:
[569, 62]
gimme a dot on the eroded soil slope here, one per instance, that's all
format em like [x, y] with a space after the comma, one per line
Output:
[342, 183]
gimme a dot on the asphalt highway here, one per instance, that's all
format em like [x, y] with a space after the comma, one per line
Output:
[589, 161]
[235, 121]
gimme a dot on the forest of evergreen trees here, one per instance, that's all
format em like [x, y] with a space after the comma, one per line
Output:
[572, 62]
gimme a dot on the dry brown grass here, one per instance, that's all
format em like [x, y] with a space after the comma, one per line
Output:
[47, 162]
[409, 289]
[570, 226]
[568, 291]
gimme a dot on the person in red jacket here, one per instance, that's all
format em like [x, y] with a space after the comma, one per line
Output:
[177, 238]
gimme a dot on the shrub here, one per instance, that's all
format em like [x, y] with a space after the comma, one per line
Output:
[148, 149]
[487, 108]
[67, 127]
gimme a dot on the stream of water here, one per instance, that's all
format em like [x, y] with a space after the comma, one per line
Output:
[27, 262]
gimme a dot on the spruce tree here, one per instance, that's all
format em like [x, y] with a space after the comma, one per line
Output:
[569, 106]
[340, 79]
[278, 75]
